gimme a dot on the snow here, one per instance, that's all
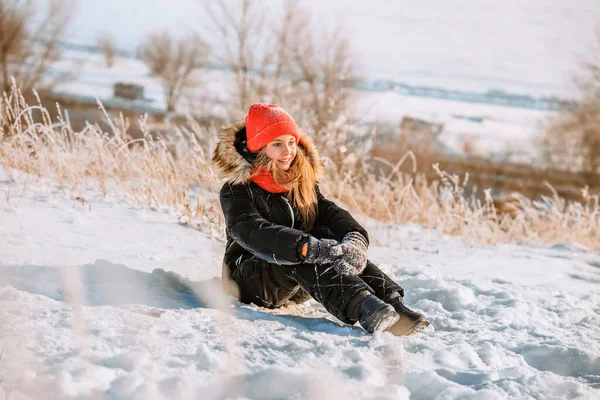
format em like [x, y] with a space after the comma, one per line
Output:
[88, 309]
[529, 47]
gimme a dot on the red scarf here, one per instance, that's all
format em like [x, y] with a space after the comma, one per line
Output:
[263, 178]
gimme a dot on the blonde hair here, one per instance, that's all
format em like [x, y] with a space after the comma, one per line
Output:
[300, 178]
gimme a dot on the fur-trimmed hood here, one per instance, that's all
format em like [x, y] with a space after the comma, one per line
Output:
[234, 162]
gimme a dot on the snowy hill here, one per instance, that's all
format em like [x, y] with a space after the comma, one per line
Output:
[87, 311]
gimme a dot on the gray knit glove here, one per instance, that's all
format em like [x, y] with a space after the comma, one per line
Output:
[322, 251]
[354, 255]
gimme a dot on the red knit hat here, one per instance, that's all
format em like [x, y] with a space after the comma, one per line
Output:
[266, 122]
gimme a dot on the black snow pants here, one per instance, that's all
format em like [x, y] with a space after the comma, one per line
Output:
[271, 285]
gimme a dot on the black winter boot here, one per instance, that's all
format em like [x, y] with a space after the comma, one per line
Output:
[373, 314]
[410, 321]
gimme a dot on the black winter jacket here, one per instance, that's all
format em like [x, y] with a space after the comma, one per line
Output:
[264, 224]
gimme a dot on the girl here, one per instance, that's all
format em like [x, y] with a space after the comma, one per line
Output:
[285, 241]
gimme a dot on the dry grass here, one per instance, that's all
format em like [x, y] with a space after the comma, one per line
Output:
[152, 172]
[176, 172]
[504, 177]
[442, 205]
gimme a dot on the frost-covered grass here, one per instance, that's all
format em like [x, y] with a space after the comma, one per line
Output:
[150, 171]
[176, 172]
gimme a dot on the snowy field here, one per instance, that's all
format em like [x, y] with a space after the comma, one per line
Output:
[527, 47]
[83, 315]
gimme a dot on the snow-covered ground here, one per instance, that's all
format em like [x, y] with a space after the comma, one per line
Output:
[83, 315]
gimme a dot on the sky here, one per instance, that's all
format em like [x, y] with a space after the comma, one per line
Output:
[526, 46]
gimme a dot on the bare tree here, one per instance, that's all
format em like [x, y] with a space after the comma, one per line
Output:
[174, 61]
[240, 30]
[29, 45]
[107, 45]
[572, 139]
[285, 58]
[325, 66]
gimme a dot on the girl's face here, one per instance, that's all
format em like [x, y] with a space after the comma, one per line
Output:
[282, 151]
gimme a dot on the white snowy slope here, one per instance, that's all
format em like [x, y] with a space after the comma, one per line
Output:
[82, 315]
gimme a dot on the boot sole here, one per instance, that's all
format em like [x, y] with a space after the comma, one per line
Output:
[399, 329]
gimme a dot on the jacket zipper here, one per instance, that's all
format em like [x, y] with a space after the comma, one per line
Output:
[291, 210]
